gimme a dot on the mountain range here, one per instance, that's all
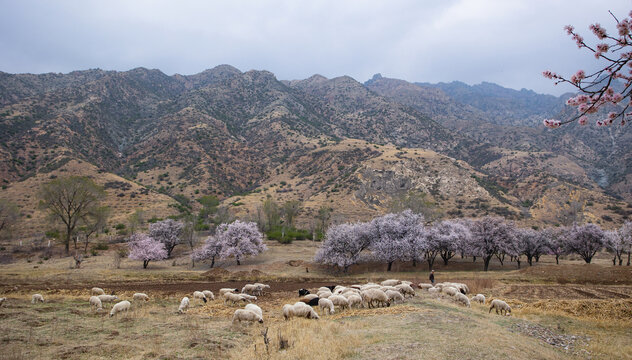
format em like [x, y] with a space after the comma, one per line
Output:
[351, 146]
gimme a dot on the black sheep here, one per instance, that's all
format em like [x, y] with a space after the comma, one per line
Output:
[303, 292]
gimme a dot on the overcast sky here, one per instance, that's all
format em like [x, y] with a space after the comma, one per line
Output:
[502, 41]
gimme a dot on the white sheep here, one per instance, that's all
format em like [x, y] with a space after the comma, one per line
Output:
[261, 288]
[500, 305]
[2, 300]
[299, 309]
[370, 286]
[480, 298]
[309, 297]
[199, 295]
[254, 308]
[354, 300]
[250, 289]
[394, 296]
[248, 297]
[409, 283]
[97, 291]
[120, 306]
[184, 305]
[339, 300]
[462, 299]
[390, 282]
[323, 288]
[393, 288]
[338, 289]
[374, 297]
[234, 298]
[108, 298]
[140, 297]
[450, 290]
[96, 302]
[324, 294]
[37, 298]
[223, 291]
[246, 315]
[326, 306]
[423, 286]
[350, 290]
[209, 294]
[434, 291]
[406, 290]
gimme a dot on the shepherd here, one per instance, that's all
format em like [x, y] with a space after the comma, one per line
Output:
[432, 281]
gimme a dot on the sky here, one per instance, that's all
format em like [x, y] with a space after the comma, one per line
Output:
[509, 42]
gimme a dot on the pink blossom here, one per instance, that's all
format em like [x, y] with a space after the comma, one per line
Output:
[142, 247]
[551, 123]
[598, 31]
[583, 107]
[623, 27]
[616, 98]
[569, 29]
[578, 40]
[578, 76]
[583, 120]
[549, 75]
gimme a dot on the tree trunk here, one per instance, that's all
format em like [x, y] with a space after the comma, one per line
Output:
[238, 263]
[614, 260]
[530, 260]
[145, 263]
[628, 264]
[557, 259]
[212, 261]
[473, 259]
[518, 261]
[487, 259]
[587, 259]
[415, 262]
[67, 242]
[430, 263]
[390, 265]
[537, 258]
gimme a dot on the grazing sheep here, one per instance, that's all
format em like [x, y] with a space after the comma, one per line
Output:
[303, 292]
[406, 290]
[434, 291]
[311, 300]
[350, 290]
[409, 283]
[340, 301]
[261, 288]
[500, 305]
[37, 298]
[250, 289]
[370, 286]
[309, 297]
[184, 305]
[374, 297]
[140, 297]
[390, 282]
[108, 298]
[393, 288]
[223, 291]
[324, 288]
[462, 299]
[209, 294]
[2, 300]
[96, 302]
[254, 308]
[356, 286]
[480, 298]
[234, 298]
[324, 294]
[423, 286]
[246, 315]
[97, 291]
[354, 300]
[199, 295]
[450, 290]
[248, 297]
[299, 309]
[394, 296]
[338, 289]
[326, 306]
[119, 307]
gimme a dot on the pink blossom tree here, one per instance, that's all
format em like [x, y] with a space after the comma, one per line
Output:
[556, 242]
[397, 237]
[597, 90]
[143, 247]
[585, 240]
[448, 237]
[239, 240]
[490, 236]
[344, 244]
[167, 232]
[211, 249]
[615, 244]
[533, 243]
[626, 234]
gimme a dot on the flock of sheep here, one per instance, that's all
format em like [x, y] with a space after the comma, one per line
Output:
[327, 298]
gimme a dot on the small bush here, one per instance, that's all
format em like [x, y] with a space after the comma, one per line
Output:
[119, 226]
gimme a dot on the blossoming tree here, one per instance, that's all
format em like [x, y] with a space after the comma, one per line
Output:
[143, 247]
[598, 89]
[167, 232]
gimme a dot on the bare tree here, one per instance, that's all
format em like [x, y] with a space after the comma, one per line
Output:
[290, 209]
[93, 223]
[418, 203]
[70, 199]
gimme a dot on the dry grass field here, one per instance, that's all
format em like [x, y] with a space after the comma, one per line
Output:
[570, 311]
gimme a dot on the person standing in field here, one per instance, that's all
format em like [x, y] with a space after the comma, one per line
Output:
[432, 281]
